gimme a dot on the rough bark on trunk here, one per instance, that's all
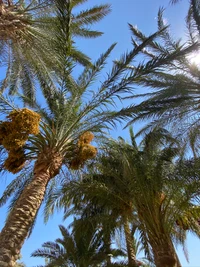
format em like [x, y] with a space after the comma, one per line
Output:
[23, 213]
[132, 262]
[164, 253]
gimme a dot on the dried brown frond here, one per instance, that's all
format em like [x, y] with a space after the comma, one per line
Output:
[183, 223]
[162, 197]
[76, 164]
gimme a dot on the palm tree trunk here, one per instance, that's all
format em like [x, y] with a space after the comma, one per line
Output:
[178, 261]
[132, 262]
[108, 260]
[107, 245]
[23, 213]
[164, 253]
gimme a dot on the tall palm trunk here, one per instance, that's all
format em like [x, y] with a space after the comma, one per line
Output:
[23, 213]
[132, 262]
[164, 252]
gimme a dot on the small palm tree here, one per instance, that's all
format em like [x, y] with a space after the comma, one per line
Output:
[73, 249]
[92, 215]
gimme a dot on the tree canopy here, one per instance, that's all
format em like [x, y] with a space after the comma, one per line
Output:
[54, 136]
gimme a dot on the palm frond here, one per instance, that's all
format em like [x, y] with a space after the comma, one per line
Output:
[15, 189]
[86, 33]
[92, 15]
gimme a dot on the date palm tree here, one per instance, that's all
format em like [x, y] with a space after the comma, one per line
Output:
[145, 184]
[73, 249]
[171, 95]
[35, 34]
[193, 12]
[63, 122]
[97, 209]
[90, 213]
[104, 199]
[84, 246]
[150, 170]
[69, 115]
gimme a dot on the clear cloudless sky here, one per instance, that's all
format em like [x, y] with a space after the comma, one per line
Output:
[142, 13]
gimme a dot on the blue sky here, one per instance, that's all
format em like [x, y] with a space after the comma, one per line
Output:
[143, 14]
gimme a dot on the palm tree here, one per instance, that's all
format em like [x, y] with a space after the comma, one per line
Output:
[89, 214]
[63, 140]
[144, 168]
[104, 200]
[55, 146]
[171, 93]
[82, 247]
[93, 211]
[35, 34]
[73, 249]
[144, 185]
[193, 12]
[158, 199]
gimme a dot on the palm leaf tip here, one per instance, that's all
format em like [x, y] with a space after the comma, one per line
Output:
[92, 15]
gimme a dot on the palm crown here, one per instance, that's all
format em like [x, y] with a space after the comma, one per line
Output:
[69, 114]
[67, 117]
[73, 249]
[145, 187]
[37, 41]
[171, 92]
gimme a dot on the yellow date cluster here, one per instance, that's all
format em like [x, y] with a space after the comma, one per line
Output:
[85, 151]
[14, 133]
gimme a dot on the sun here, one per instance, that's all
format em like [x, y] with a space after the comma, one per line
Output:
[194, 58]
